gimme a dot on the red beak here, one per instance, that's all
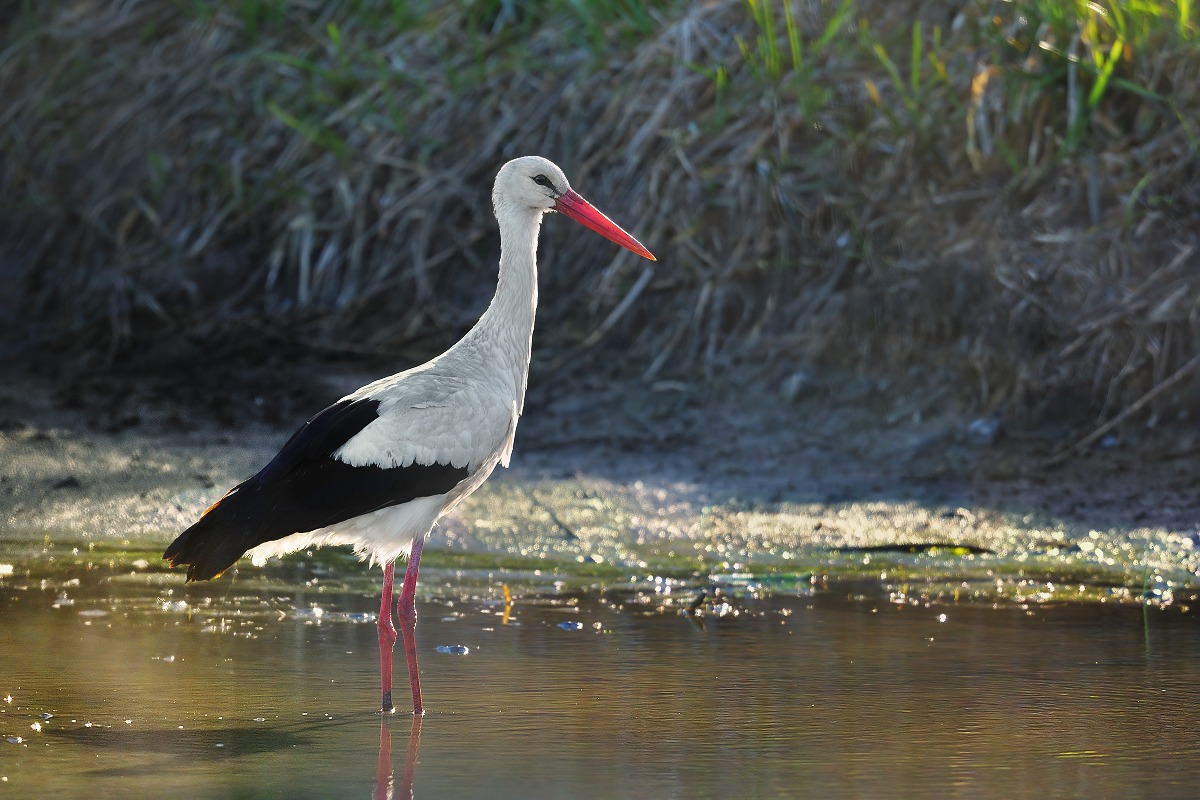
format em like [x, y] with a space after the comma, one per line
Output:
[586, 214]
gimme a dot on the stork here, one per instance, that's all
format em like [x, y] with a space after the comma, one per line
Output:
[378, 468]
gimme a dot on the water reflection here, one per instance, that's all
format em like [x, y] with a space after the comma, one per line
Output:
[384, 776]
[384, 783]
[234, 696]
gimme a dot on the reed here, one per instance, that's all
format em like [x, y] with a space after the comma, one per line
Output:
[998, 198]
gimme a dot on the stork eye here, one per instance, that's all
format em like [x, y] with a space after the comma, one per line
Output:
[542, 180]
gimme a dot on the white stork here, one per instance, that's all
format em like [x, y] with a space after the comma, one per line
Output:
[378, 468]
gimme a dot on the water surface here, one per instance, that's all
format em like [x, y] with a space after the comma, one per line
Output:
[241, 691]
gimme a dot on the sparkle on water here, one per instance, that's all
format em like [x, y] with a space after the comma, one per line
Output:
[261, 688]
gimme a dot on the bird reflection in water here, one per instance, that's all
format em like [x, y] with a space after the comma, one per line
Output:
[385, 783]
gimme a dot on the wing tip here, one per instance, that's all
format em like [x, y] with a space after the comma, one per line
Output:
[197, 570]
[201, 548]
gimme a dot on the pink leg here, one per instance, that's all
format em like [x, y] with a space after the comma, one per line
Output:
[387, 638]
[406, 612]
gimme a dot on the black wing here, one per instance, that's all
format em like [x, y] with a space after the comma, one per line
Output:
[304, 488]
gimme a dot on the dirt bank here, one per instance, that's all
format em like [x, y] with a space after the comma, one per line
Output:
[639, 477]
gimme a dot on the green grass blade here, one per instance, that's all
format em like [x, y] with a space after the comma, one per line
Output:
[1106, 71]
[316, 133]
[832, 28]
[889, 66]
[793, 34]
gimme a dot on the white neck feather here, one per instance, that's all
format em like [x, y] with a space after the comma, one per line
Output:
[503, 337]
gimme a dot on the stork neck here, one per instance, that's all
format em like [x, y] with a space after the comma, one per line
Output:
[516, 288]
[507, 325]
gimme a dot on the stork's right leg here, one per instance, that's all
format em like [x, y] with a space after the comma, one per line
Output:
[387, 638]
[406, 612]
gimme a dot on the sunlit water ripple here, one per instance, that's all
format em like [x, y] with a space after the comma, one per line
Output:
[154, 694]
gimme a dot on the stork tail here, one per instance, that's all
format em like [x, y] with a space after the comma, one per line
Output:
[215, 542]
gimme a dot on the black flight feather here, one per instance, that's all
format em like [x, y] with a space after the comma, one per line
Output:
[304, 488]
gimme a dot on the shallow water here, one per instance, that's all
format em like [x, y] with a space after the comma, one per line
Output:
[244, 691]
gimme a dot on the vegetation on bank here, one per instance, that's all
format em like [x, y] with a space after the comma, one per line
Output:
[996, 203]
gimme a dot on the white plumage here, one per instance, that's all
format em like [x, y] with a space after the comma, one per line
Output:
[380, 536]
[379, 467]
[434, 417]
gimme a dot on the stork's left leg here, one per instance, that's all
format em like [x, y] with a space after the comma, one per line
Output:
[406, 611]
[387, 638]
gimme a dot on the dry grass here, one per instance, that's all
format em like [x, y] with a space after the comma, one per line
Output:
[933, 190]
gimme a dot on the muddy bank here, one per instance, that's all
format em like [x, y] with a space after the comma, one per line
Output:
[636, 478]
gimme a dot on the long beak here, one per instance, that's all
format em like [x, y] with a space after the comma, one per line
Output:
[586, 214]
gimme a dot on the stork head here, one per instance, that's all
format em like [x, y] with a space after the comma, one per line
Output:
[533, 183]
